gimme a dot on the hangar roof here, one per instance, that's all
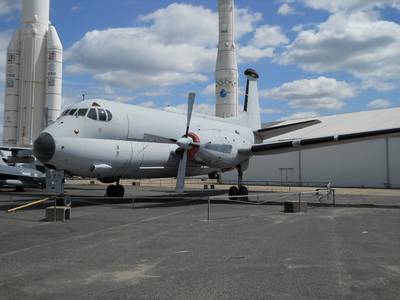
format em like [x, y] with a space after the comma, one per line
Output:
[345, 123]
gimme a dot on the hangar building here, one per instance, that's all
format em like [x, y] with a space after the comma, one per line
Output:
[373, 163]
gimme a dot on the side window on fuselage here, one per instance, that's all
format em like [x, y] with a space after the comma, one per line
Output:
[92, 114]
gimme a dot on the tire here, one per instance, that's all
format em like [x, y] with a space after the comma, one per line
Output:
[20, 189]
[233, 191]
[243, 191]
[111, 190]
[119, 191]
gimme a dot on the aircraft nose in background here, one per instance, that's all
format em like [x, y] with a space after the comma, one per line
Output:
[44, 147]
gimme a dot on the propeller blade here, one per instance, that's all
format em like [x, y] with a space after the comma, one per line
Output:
[191, 98]
[180, 178]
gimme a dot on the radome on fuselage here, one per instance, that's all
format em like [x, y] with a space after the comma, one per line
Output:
[135, 142]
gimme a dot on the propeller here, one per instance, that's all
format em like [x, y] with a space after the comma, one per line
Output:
[185, 143]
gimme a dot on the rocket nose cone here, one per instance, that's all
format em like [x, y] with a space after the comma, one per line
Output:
[44, 147]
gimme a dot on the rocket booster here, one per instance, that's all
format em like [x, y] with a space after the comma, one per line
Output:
[34, 76]
[226, 74]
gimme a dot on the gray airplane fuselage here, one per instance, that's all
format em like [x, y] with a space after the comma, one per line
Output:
[126, 141]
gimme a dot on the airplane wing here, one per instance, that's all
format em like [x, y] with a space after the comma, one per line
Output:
[270, 132]
[18, 151]
[309, 143]
[18, 154]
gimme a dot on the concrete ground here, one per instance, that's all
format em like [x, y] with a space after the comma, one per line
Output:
[166, 249]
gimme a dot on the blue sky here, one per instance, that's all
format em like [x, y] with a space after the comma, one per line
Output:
[315, 57]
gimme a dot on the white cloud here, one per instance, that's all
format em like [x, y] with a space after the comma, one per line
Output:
[76, 8]
[201, 108]
[379, 103]
[319, 93]
[183, 24]
[302, 115]
[148, 104]
[357, 43]
[266, 36]
[349, 5]
[175, 45]
[285, 9]
[270, 111]
[209, 90]
[246, 19]
[250, 53]
[8, 6]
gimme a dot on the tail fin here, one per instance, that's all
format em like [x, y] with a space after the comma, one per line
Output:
[251, 114]
[251, 101]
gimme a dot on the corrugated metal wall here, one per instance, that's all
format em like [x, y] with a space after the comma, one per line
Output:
[362, 164]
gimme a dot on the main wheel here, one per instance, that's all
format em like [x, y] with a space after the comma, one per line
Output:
[119, 191]
[233, 191]
[243, 191]
[19, 189]
[111, 190]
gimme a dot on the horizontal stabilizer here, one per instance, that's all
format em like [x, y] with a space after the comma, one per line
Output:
[270, 132]
[297, 144]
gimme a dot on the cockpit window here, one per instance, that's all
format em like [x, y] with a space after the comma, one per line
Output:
[92, 114]
[82, 112]
[65, 112]
[72, 112]
[102, 115]
[109, 115]
[98, 114]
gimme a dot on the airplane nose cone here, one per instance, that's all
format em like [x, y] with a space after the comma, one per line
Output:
[44, 147]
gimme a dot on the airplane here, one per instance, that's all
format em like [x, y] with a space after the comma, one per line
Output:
[20, 176]
[111, 141]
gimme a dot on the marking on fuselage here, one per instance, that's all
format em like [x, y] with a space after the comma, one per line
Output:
[152, 168]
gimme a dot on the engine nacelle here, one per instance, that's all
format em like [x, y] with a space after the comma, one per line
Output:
[219, 149]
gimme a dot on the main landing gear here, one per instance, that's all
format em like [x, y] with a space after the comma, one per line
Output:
[115, 190]
[240, 190]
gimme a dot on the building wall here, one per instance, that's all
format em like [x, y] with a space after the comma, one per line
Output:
[361, 164]
[394, 162]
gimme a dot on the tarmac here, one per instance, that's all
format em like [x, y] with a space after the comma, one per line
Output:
[166, 248]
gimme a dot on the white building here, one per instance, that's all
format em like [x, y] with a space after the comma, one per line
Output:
[372, 163]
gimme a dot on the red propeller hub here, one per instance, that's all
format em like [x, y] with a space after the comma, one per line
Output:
[194, 149]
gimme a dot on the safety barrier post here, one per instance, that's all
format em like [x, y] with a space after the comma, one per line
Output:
[208, 210]
[55, 209]
[334, 197]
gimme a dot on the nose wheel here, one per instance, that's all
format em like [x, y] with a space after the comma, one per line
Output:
[115, 191]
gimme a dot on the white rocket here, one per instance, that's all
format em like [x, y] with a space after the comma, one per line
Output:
[34, 76]
[226, 74]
